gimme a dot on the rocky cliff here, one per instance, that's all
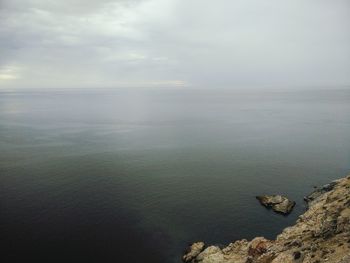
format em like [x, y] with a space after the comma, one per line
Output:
[321, 234]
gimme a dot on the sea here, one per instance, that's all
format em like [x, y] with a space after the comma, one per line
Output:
[138, 174]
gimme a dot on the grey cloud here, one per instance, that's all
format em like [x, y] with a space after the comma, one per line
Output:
[167, 42]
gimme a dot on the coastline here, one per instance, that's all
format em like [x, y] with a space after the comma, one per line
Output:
[321, 234]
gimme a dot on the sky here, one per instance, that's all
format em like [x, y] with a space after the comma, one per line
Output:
[174, 43]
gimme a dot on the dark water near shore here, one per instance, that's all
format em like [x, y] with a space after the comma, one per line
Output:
[136, 175]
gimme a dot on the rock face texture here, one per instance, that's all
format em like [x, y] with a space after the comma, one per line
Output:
[193, 251]
[321, 234]
[278, 203]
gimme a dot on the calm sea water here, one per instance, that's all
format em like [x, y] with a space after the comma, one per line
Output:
[137, 175]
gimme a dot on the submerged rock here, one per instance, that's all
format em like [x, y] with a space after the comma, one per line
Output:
[278, 203]
[321, 234]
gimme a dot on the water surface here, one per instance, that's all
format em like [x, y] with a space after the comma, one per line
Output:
[136, 175]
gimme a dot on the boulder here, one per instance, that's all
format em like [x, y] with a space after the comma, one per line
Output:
[278, 203]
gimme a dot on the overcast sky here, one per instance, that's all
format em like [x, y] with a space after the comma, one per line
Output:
[174, 43]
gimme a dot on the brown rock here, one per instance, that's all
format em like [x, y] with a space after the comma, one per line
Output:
[278, 203]
[193, 251]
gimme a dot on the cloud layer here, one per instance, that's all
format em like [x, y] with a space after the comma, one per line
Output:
[167, 43]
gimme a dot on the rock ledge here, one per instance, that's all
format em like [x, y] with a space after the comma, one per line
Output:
[321, 234]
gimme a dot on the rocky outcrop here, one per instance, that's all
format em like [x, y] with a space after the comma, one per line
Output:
[321, 234]
[319, 191]
[278, 203]
[193, 251]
